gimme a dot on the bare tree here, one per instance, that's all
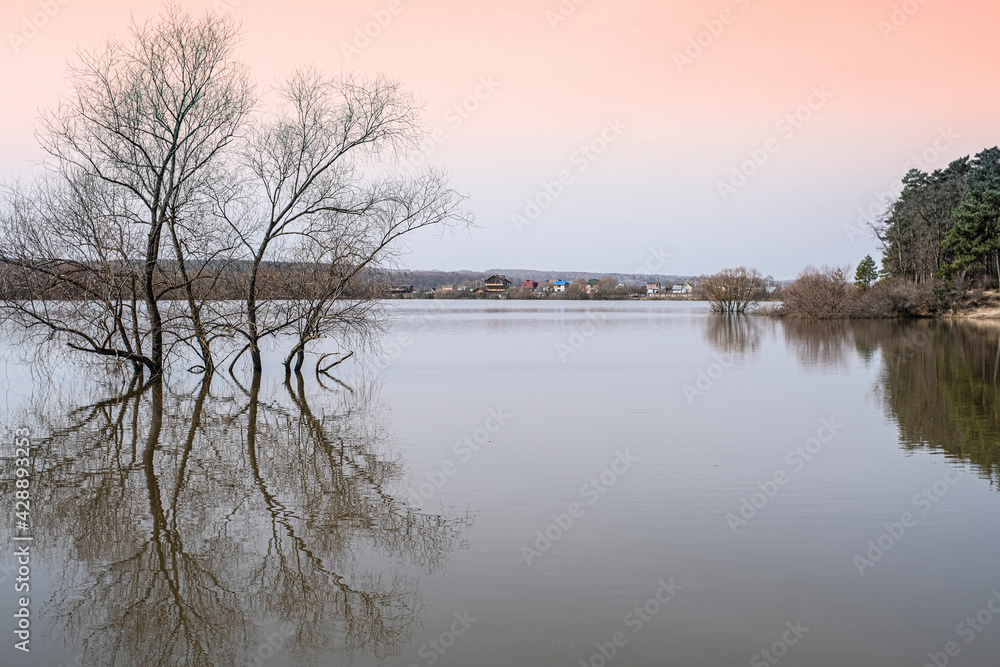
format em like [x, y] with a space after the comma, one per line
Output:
[146, 118]
[310, 186]
[736, 290]
[167, 194]
[68, 269]
[204, 250]
[820, 293]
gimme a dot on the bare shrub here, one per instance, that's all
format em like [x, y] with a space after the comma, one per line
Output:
[826, 293]
[819, 293]
[897, 297]
[736, 290]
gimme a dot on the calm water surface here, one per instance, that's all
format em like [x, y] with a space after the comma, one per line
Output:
[509, 483]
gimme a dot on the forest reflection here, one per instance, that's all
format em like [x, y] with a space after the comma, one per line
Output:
[193, 523]
[939, 380]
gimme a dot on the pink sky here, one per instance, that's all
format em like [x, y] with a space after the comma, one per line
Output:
[557, 87]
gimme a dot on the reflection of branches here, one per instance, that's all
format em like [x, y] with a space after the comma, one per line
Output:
[231, 514]
[734, 334]
[824, 344]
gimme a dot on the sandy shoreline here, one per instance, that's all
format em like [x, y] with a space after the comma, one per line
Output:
[988, 310]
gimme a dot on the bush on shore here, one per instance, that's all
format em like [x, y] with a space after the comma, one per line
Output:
[826, 293]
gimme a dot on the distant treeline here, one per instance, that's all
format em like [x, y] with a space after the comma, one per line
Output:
[66, 279]
[425, 280]
[63, 280]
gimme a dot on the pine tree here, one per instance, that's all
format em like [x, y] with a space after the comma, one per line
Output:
[975, 239]
[866, 274]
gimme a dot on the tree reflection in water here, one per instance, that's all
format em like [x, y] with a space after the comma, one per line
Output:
[939, 380]
[735, 334]
[821, 344]
[189, 525]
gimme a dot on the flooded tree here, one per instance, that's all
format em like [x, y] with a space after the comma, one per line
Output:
[736, 290]
[128, 149]
[173, 186]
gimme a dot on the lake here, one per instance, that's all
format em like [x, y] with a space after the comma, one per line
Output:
[524, 483]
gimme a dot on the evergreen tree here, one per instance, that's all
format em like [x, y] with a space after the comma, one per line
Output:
[917, 223]
[866, 274]
[974, 241]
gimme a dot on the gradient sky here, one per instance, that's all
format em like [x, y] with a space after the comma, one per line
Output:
[924, 85]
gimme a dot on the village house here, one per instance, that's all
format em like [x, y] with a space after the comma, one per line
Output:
[652, 288]
[681, 289]
[497, 284]
[591, 286]
[560, 286]
[447, 288]
[530, 284]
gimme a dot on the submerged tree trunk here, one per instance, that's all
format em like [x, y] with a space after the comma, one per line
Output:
[253, 332]
[194, 309]
[152, 308]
